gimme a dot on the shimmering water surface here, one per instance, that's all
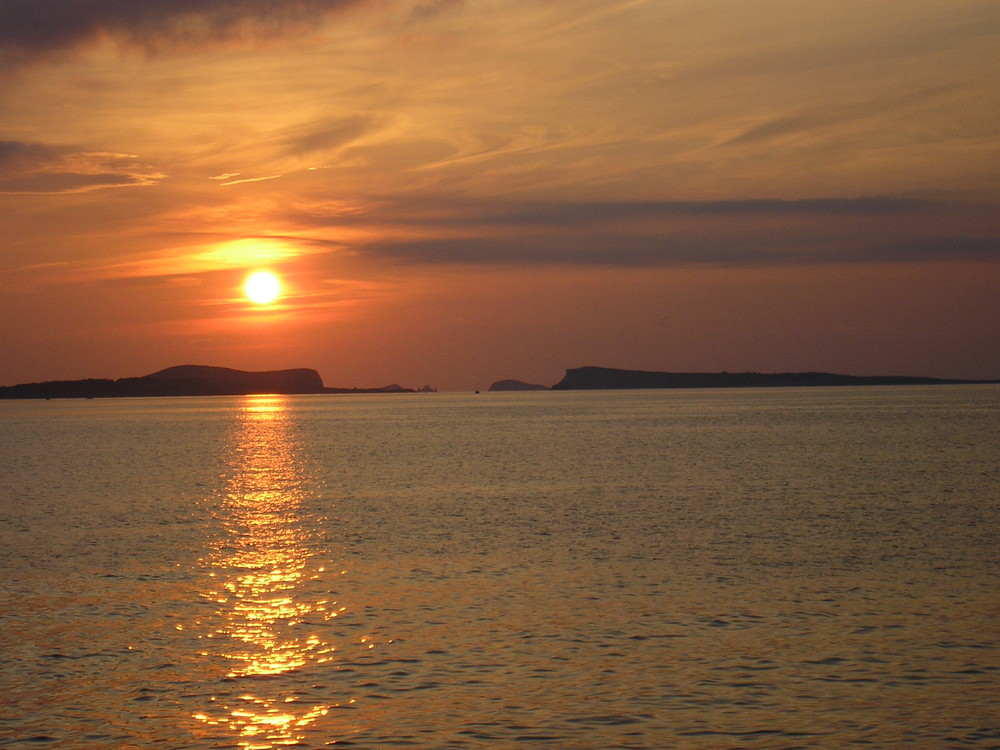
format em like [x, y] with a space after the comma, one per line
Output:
[745, 568]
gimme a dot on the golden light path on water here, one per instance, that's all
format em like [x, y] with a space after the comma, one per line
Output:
[266, 618]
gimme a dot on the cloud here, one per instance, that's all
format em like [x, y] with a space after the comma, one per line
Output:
[250, 179]
[563, 213]
[42, 168]
[825, 117]
[625, 251]
[603, 250]
[30, 27]
[452, 212]
[66, 182]
[327, 134]
[428, 9]
[938, 248]
[16, 155]
[744, 233]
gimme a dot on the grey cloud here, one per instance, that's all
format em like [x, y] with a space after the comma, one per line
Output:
[599, 211]
[782, 126]
[16, 155]
[612, 251]
[828, 116]
[668, 251]
[451, 212]
[937, 248]
[66, 182]
[326, 135]
[30, 27]
[432, 8]
[27, 167]
[726, 233]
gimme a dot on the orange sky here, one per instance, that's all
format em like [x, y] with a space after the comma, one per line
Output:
[455, 192]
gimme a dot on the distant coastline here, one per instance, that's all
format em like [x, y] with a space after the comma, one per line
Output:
[204, 380]
[606, 378]
[517, 385]
[191, 380]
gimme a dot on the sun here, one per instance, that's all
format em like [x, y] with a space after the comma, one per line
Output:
[262, 287]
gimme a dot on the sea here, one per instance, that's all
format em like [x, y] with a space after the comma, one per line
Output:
[738, 568]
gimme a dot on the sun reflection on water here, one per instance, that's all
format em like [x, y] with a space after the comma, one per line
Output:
[269, 613]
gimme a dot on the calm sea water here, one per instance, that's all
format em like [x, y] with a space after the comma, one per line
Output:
[655, 569]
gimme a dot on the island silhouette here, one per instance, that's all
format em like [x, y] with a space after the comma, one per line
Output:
[191, 380]
[607, 378]
[205, 380]
[516, 385]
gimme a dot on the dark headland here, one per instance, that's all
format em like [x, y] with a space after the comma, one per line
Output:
[190, 380]
[202, 380]
[517, 385]
[606, 378]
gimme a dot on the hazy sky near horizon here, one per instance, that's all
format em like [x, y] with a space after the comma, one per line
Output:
[459, 191]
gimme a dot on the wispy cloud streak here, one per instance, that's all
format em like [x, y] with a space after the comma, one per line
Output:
[41, 168]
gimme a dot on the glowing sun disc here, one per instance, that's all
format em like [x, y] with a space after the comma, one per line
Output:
[262, 287]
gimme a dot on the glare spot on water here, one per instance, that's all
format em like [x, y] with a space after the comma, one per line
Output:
[261, 562]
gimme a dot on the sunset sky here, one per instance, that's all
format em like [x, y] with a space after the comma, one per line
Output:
[458, 191]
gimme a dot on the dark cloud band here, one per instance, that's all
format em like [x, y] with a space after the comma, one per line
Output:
[640, 234]
[27, 167]
[30, 26]
[665, 252]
